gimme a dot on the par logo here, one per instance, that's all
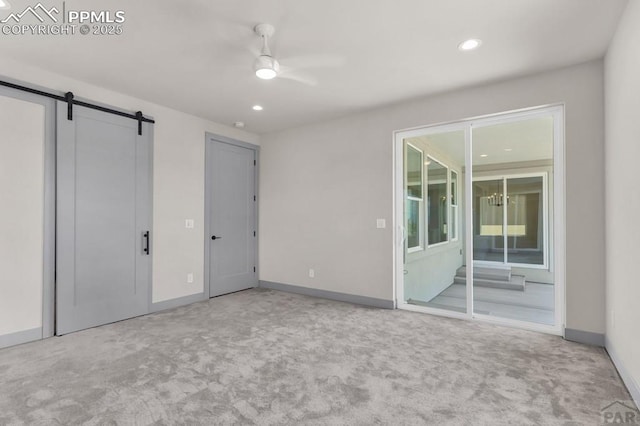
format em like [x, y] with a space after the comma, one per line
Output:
[620, 412]
[40, 12]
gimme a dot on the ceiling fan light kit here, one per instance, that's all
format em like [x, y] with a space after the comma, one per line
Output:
[265, 66]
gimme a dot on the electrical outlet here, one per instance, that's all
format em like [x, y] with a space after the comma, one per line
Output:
[312, 273]
[381, 223]
[189, 277]
[189, 223]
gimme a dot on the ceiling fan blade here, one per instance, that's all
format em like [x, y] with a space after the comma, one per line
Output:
[254, 50]
[314, 61]
[234, 32]
[300, 78]
[237, 35]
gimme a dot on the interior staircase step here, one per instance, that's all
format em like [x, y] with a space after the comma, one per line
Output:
[487, 273]
[517, 282]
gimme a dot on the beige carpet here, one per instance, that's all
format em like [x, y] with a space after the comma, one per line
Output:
[266, 357]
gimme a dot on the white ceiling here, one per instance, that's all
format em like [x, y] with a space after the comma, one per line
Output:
[195, 55]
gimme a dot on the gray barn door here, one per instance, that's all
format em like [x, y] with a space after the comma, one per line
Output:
[231, 174]
[103, 215]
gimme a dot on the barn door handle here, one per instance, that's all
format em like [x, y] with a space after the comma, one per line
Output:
[213, 237]
[146, 243]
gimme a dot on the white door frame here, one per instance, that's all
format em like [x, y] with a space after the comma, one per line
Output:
[559, 234]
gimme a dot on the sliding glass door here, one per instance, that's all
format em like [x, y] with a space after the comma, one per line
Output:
[477, 208]
[510, 220]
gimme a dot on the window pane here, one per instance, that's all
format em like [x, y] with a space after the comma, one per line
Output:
[437, 195]
[412, 212]
[414, 172]
[488, 202]
[454, 222]
[454, 188]
[524, 221]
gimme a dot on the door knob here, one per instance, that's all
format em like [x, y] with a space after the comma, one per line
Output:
[213, 237]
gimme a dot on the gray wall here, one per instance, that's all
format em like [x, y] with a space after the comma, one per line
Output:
[622, 199]
[324, 185]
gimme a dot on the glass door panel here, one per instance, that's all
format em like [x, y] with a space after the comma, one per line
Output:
[511, 163]
[434, 273]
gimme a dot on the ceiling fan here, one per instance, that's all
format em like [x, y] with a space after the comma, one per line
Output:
[267, 67]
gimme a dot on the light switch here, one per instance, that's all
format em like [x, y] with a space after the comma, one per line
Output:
[188, 223]
[190, 277]
[381, 223]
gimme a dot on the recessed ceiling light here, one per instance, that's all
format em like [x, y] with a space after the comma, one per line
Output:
[483, 155]
[255, 107]
[470, 44]
[508, 149]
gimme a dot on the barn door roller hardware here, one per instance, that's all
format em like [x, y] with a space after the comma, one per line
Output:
[71, 101]
[69, 98]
